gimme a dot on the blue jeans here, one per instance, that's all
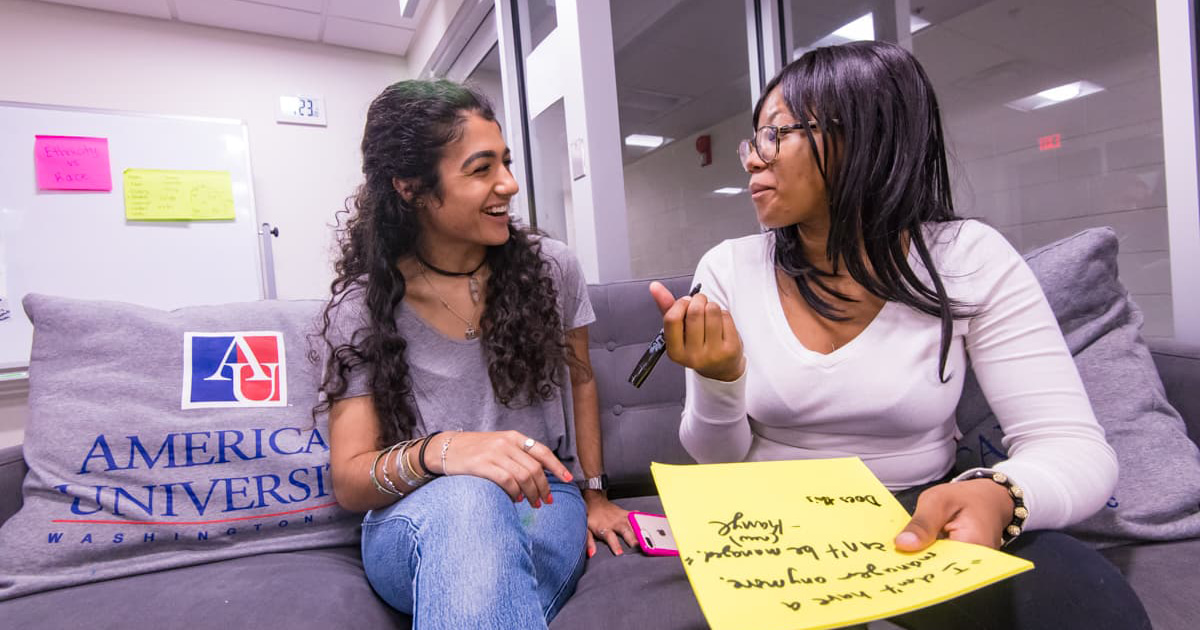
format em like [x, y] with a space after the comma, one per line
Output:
[458, 553]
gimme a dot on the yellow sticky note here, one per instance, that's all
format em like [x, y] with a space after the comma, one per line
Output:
[165, 195]
[792, 545]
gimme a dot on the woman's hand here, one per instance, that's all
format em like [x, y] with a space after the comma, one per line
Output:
[607, 522]
[700, 335]
[500, 456]
[974, 511]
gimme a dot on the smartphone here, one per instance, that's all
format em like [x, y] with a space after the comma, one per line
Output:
[653, 534]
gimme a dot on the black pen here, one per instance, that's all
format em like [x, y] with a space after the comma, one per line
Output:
[653, 353]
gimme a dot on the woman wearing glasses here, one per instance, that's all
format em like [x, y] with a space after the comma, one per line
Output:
[845, 329]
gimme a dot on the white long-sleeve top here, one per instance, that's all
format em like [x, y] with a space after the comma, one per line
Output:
[879, 396]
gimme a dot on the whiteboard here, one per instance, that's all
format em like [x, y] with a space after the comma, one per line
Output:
[79, 244]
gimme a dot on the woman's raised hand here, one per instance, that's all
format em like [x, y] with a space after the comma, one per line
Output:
[513, 461]
[700, 335]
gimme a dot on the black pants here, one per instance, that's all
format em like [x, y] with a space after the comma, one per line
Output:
[1071, 586]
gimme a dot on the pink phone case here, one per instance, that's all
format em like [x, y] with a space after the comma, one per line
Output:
[650, 550]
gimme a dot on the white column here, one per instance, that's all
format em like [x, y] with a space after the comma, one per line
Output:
[891, 20]
[589, 87]
[1177, 77]
[514, 130]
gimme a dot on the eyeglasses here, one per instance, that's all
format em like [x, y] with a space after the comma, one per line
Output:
[766, 141]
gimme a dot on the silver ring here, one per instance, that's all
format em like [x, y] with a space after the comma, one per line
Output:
[528, 444]
[602, 532]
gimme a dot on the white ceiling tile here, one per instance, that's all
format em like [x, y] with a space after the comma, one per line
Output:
[311, 6]
[367, 35]
[148, 8]
[249, 16]
[381, 11]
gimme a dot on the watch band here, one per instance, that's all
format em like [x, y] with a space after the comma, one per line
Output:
[596, 483]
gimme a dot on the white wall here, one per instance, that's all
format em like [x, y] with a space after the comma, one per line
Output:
[69, 56]
[78, 57]
[674, 217]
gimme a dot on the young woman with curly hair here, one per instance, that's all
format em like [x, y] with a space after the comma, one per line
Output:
[457, 377]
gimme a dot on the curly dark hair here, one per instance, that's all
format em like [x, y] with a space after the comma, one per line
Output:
[408, 127]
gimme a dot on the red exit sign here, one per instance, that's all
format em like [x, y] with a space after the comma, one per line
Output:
[1050, 142]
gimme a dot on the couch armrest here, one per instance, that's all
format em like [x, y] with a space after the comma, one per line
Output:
[1179, 367]
[12, 475]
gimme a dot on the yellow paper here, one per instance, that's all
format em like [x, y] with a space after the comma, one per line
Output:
[793, 545]
[161, 195]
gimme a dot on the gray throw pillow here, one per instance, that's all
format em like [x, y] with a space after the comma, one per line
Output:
[1158, 491]
[159, 439]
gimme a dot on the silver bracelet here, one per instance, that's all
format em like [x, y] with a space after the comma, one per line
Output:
[407, 474]
[446, 447]
[375, 481]
[386, 479]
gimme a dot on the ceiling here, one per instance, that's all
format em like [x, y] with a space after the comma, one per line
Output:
[374, 25]
[681, 66]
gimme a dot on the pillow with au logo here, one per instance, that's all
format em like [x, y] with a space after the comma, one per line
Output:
[162, 439]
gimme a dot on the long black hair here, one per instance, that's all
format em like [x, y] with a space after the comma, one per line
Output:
[408, 128]
[885, 173]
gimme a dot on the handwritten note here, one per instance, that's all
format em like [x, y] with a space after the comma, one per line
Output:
[72, 163]
[161, 195]
[795, 545]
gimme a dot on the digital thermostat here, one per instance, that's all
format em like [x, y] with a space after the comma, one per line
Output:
[301, 110]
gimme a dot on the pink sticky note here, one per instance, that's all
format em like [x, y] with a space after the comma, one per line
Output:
[72, 163]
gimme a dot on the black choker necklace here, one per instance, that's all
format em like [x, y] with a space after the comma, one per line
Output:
[456, 274]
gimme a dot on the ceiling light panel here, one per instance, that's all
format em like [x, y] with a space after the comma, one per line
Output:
[1054, 96]
[378, 11]
[644, 141]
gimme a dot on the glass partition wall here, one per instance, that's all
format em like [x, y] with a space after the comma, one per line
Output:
[684, 102]
[630, 113]
[1052, 116]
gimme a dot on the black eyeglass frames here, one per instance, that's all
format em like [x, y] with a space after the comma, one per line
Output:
[766, 141]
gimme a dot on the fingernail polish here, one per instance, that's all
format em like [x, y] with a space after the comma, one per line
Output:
[520, 498]
[550, 498]
[568, 477]
[537, 503]
[591, 552]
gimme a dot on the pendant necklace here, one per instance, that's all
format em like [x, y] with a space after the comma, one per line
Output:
[472, 281]
[472, 332]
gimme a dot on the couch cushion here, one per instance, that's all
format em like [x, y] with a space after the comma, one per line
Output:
[1164, 576]
[141, 461]
[12, 472]
[640, 425]
[1158, 491]
[317, 589]
[1178, 366]
[632, 590]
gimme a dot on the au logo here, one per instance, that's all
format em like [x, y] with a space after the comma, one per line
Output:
[234, 369]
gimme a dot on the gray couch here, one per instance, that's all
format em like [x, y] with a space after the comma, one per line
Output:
[325, 588]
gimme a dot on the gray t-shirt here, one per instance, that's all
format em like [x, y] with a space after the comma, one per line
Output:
[450, 380]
